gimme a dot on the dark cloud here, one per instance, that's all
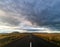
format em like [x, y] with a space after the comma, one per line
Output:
[41, 12]
[9, 20]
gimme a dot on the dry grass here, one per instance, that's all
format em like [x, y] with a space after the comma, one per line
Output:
[8, 38]
[53, 38]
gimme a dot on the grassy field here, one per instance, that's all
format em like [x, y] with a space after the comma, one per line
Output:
[8, 38]
[53, 38]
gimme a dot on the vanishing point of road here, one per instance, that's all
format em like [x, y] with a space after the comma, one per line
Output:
[31, 41]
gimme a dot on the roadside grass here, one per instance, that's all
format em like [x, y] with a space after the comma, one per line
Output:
[8, 38]
[51, 37]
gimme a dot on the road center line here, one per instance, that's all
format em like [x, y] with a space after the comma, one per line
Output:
[30, 44]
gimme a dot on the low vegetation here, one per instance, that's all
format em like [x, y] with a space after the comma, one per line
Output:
[8, 38]
[53, 38]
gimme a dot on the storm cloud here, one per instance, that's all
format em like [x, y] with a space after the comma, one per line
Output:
[39, 12]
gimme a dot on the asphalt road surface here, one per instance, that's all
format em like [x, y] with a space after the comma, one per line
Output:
[31, 41]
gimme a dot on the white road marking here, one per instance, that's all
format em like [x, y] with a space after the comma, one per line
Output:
[30, 44]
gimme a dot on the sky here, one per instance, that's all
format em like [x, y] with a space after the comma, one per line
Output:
[17, 14]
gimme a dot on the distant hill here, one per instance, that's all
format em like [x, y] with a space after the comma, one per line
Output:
[15, 32]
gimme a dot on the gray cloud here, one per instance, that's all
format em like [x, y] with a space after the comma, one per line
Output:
[41, 12]
[9, 20]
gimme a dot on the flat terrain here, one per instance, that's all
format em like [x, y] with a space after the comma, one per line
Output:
[35, 42]
[8, 38]
[29, 40]
[51, 37]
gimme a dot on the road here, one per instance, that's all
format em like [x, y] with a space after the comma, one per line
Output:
[31, 41]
